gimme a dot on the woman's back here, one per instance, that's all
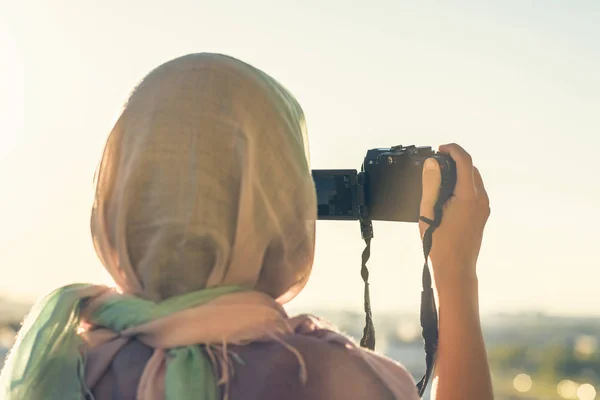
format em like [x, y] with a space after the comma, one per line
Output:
[265, 371]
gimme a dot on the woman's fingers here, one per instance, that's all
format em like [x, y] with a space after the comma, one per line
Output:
[465, 187]
[479, 186]
[432, 179]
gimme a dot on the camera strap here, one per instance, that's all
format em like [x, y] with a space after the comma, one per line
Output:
[368, 339]
[429, 316]
[428, 312]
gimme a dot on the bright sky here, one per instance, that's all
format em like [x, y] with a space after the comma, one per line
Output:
[516, 83]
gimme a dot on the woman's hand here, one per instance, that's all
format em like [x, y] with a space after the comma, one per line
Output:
[456, 242]
[461, 368]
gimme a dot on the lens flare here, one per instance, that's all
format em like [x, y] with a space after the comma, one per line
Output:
[522, 383]
[585, 346]
[567, 389]
[586, 392]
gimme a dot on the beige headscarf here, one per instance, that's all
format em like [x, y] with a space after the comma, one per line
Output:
[205, 182]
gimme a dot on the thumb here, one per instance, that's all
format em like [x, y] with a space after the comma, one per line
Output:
[432, 179]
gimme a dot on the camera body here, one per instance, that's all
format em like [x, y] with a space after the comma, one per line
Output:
[387, 188]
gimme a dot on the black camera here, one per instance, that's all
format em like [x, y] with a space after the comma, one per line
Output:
[388, 187]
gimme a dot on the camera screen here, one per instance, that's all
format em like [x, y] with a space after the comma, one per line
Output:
[336, 194]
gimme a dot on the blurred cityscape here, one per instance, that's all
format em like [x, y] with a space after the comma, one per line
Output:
[532, 356]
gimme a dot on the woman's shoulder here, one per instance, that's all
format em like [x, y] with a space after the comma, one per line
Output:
[332, 371]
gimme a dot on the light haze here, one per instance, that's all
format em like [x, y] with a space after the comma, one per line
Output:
[516, 83]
